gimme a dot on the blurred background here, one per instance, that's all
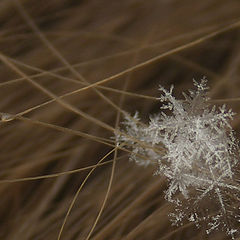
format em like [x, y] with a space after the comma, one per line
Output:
[69, 70]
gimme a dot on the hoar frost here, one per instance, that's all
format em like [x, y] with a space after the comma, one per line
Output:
[199, 159]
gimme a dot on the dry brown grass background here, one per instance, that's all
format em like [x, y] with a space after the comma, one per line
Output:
[69, 70]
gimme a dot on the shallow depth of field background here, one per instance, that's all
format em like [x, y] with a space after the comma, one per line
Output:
[52, 48]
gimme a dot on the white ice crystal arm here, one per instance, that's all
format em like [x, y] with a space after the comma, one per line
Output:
[200, 157]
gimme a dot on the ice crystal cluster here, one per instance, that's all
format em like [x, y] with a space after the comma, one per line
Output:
[194, 147]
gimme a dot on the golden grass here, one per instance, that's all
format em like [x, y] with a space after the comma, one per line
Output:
[69, 71]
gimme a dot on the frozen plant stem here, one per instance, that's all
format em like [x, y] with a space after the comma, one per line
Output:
[200, 161]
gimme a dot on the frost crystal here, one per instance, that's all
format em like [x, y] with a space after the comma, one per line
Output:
[195, 149]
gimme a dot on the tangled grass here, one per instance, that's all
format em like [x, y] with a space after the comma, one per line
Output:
[70, 71]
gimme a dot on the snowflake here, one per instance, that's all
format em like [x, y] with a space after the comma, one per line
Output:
[199, 159]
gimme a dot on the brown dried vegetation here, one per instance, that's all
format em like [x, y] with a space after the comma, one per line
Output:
[69, 69]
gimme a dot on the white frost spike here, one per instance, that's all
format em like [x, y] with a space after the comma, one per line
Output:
[200, 157]
[6, 117]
